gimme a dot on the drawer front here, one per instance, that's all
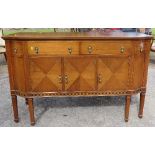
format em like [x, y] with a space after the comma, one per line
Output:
[53, 47]
[106, 47]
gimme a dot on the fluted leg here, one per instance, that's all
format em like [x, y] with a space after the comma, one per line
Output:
[15, 107]
[31, 110]
[141, 106]
[127, 107]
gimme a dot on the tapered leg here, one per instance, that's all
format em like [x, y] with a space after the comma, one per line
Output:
[26, 101]
[127, 107]
[31, 110]
[15, 107]
[141, 106]
[5, 56]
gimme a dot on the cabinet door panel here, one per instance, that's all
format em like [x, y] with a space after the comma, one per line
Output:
[113, 73]
[45, 74]
[80, 73]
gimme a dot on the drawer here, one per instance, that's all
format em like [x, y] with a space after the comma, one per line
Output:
[106, 47]
[53, 47]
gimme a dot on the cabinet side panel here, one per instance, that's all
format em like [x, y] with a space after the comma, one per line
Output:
[19, 74]
[140, 63]
[10, 65]
[146, 61]
[17, 61]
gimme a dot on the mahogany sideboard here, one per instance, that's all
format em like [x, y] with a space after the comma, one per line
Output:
[77, 64]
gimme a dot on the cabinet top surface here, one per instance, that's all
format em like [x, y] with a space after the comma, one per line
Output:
[77, 36]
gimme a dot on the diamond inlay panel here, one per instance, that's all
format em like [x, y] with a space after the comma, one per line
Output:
[81, 73]
[44, 74]
[113, 73]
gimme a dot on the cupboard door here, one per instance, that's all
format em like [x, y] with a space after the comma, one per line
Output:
[80, 73]
[113, 73]
[45, 74]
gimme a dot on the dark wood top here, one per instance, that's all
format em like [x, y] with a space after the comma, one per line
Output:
[77, 36]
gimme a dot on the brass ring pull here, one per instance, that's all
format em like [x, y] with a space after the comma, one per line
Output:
[90, 49]
[36, 50]
[122, 50]
[70, 50]
[66, 79]
[60, 79]
[99, 78]
[141, 50]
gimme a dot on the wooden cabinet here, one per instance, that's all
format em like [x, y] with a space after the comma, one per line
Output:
[77, 64]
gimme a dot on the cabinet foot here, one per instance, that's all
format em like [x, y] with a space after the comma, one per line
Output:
[140, 116]
[15, 108]
[31, 110]
[127, 108]
[126, 120]
[141, 106]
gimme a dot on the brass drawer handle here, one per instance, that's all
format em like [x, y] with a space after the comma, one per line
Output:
[90, 49]
[99, 78]
[141, 47]
[15, 50]
[66, 79]
[36, 50]
[70, 50]
[18, 54]
[60, 79]
[122, 50]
